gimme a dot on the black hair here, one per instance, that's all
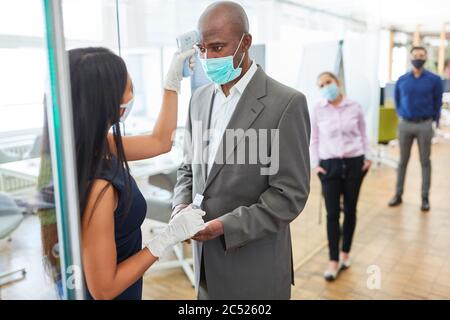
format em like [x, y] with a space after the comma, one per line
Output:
[418, 48]
[98, 82]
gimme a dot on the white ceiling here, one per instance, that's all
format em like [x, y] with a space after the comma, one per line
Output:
[402, 14]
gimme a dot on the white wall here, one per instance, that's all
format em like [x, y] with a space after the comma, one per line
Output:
[361, 76]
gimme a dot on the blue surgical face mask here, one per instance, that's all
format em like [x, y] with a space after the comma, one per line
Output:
[128, 106]
[222, 70]
[330, 91]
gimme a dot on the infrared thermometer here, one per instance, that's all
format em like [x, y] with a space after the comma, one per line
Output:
[185, 42]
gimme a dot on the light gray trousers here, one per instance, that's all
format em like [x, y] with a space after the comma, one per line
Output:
[423, 132]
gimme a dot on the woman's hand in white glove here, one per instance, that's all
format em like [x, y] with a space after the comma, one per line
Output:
[184, 225]
[174, 76]
[187, 223]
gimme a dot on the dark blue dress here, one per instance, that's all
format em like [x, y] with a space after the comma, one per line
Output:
[127, 226]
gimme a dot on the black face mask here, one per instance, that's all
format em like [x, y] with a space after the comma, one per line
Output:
[418, 63]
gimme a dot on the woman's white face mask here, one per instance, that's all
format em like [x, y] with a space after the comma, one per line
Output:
[128, 106]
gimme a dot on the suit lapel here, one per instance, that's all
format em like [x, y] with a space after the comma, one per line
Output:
[206, 120]
[247, 110]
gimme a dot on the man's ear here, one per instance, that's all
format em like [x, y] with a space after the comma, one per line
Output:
[247, 41]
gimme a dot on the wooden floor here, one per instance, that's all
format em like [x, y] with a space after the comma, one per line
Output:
[25, 251]
[411, 249]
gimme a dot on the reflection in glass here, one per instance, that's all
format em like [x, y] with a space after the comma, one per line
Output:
[47, 214]
[25, 170]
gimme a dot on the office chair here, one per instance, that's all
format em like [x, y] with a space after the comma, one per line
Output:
[11, 216]
[159, 194]
[387, 131]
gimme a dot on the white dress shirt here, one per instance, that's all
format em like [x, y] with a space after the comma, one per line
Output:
[222, 110]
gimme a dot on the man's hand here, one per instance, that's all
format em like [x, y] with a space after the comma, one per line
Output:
[214, 228]
[435, 125]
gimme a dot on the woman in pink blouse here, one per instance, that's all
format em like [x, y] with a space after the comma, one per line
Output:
[339, 150]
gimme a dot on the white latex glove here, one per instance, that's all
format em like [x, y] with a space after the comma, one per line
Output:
[175, 74]
[178, 209]
[187, 223]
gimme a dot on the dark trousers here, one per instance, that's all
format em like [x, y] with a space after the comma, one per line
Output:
[343, 178]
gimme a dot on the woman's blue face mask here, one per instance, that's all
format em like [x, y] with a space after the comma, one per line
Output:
[222, 70]
[330, 91]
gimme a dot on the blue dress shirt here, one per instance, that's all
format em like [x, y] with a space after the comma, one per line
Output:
[419, 98]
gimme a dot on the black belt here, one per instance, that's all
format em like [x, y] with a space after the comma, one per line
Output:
[418, 120]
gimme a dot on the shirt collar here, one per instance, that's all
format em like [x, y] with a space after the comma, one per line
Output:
[243, 82]
[424, 72]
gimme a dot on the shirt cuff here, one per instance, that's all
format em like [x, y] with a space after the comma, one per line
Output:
[314, 162]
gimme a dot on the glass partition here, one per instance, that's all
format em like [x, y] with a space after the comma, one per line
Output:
[29, 246]
[39, 218]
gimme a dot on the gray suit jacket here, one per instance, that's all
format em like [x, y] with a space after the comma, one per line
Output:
[253, 259]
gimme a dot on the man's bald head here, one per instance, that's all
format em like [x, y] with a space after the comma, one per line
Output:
[223, 29]
[224, 15]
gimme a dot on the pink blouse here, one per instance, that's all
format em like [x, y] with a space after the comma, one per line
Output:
[338, 132]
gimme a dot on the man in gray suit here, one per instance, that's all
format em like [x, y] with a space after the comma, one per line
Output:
[245, 252]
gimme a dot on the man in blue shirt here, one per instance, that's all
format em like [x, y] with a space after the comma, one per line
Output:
[418, 99]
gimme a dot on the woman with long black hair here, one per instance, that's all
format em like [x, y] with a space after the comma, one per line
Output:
[112, 207]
